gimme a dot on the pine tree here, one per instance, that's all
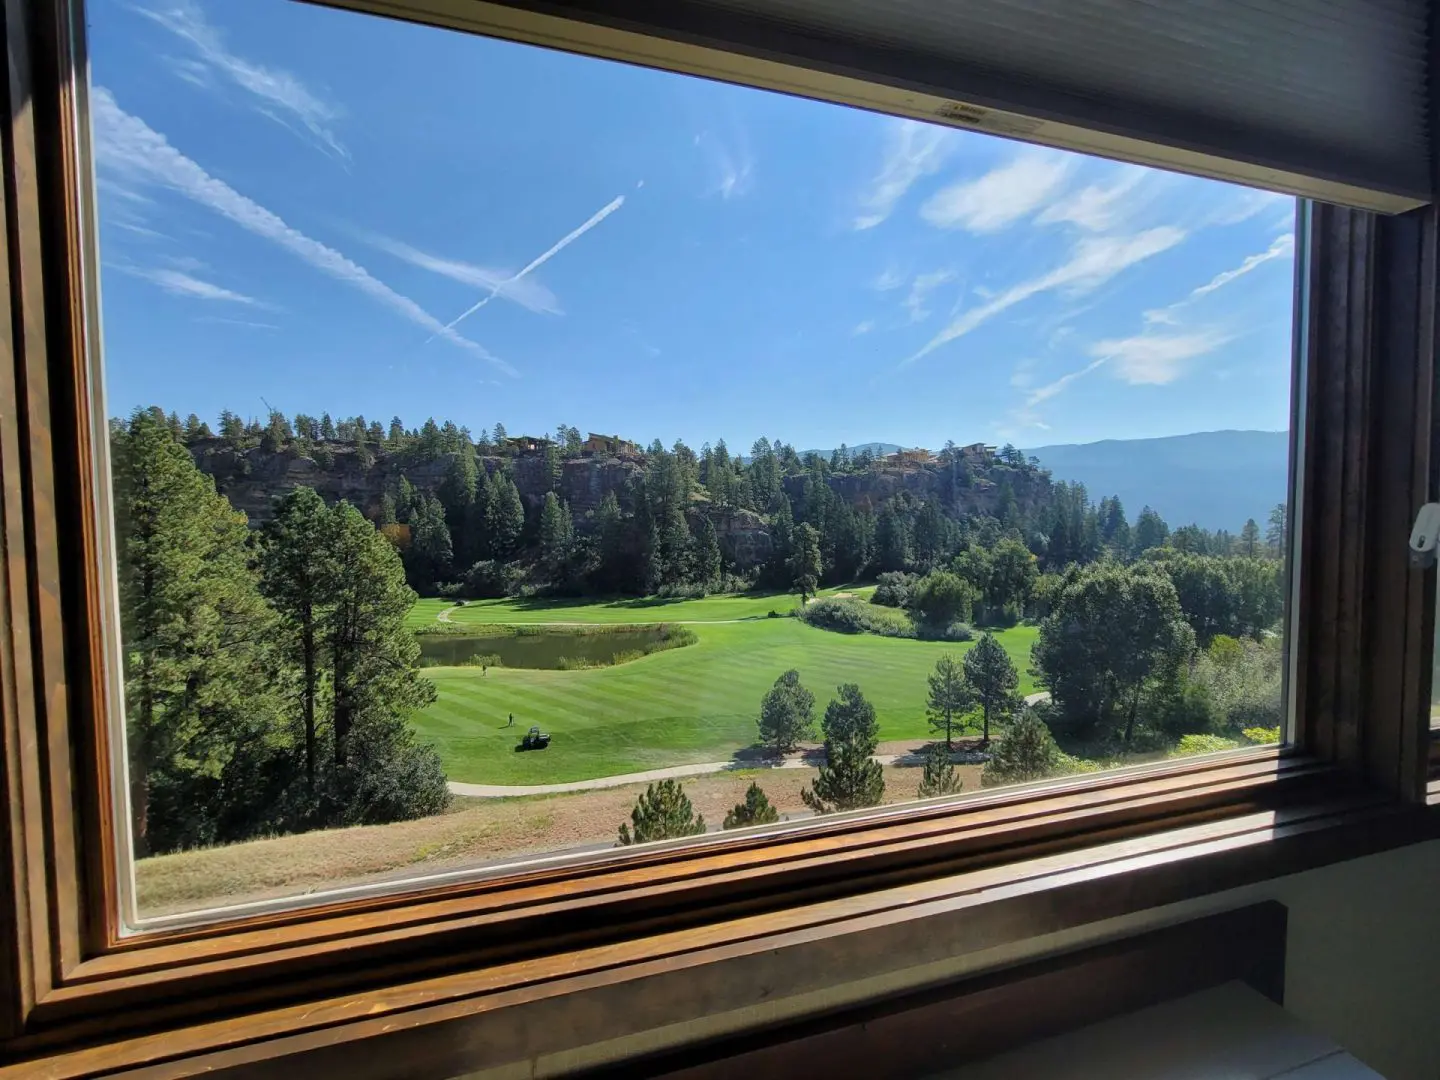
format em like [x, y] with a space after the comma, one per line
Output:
[199, 673]
[232, 428]
[850, 778]
[755, 810]
[992, 679]
[374, 657]
[950, 697]
[707, 554]
[557, 533]
[1277, 532]
[327, 427]
[1026, 752]
[614, 571]
[431, 555]
[787, 714]
[939, 777]
[805, 561]
[296, 577]
[506, 519]
[664, 812]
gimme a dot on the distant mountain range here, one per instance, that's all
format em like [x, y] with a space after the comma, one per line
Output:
[1215, 479]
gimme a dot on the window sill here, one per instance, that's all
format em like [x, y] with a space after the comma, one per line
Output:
[687, 933]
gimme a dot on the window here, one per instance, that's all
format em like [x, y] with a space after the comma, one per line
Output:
[335, 344]
[231, 712]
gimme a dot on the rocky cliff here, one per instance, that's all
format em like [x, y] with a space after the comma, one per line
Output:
[251, 479]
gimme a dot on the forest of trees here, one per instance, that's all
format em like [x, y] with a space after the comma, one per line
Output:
[474, 536]
[269, 676]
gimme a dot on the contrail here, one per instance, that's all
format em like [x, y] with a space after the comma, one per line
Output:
[569, 238]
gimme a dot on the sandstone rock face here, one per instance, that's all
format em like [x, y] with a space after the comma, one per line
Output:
[252, 479]
[743, 534]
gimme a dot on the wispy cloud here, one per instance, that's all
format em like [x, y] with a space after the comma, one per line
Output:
[249, 324]
[128, 146]
[890, 278]
[863, 327]
[730, 162]
[279, 95]
[920, 290]
[1002, 196]
[1283, 247]
[528, 293]
[1097, 207]
[180, 283]
[912, 151]
[1153, 358]
[1245, 204]
[1044, 393]
[1094, 261]
[537, 262]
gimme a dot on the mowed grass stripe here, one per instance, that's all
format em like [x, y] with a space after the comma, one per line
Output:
[686, 705]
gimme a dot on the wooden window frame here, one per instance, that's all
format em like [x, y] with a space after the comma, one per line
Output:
[81, 998]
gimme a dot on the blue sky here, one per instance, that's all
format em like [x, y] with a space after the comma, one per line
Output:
[330, 212]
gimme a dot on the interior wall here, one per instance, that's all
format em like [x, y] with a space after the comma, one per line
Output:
[1362, 967]
[1363, 956]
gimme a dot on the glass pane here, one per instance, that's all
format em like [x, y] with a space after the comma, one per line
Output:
[521, 454]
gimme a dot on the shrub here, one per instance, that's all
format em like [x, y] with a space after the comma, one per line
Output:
[893, 589]
[1242, 681]
[755, 810]
[1027, 751]
[1261, 736]
[489, 580]
[941, 598]
[662, 813]
[850, 616]
[1203, 744]
[939, 777]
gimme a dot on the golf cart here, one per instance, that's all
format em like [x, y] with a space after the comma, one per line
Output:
[535, 739]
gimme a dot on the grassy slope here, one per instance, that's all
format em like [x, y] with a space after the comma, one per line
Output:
[687, 705]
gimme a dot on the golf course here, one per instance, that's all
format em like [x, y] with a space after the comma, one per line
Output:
[692, 704]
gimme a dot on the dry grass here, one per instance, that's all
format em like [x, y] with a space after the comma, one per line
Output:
[474, 832]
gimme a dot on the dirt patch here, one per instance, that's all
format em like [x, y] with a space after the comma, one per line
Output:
[474, 832]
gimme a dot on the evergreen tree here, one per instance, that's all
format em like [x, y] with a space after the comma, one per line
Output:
[1250, 539]
[296, 576]
[199, 675]
[506, 519]
[939, 777]
[395, 436]
[232, 428]
[849, 779]
[614, 572]
[787, 714]
[805, 561]
[950, 697]
[1150, 531]
[1026, 752]
[993, 680]
[557, 533]
[892, 538]
[327, 427]
[755, 810]
[457, 495]
[1277, 532]
[707, 554]
[430, 557]
[375, 657]
[664, 812]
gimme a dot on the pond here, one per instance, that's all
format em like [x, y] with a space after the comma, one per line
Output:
[553, 651]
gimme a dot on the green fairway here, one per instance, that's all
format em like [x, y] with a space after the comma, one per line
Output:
[687, 705]
[626, 610]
